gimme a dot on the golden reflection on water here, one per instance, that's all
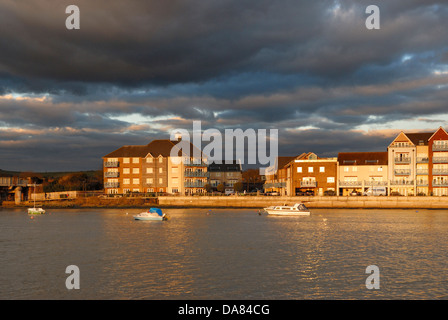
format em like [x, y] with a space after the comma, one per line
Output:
[225, 254]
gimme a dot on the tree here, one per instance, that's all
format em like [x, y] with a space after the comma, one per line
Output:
[208, 187]
[238, 187]
[221, 187]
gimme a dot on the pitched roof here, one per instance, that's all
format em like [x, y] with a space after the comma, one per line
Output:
[363, 158]
[418, 137]
[156, 148]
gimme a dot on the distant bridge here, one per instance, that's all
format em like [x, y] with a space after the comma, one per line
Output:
[13, 182]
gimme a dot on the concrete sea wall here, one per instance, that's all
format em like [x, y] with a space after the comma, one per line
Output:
[312, 202]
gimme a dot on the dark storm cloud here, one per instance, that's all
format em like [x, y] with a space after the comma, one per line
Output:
[137, 69]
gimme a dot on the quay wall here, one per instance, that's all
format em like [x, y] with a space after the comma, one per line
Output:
[370, 202]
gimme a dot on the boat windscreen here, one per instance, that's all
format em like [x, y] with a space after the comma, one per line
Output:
[156, 210]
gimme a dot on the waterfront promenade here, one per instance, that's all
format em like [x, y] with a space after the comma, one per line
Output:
[257, 202]
[370, 202]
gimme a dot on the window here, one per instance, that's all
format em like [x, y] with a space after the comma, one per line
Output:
[346, 169]
[380, 169]
[136, 181]
[299, 169]
[310, 169]
[125, 160]
[322, 169]
[149, 180]
[355, 169]
[136, 190]
[126, 181]
[136, 170]
[148, 170]
[160, 170]
[150, 190]
[160, 160]
[175, 181]
[126, 170]
[149, 160]
[330, 179]
[160, 180]
[174, 170]
[135, 160]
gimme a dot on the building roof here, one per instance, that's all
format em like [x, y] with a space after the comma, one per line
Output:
[419, 138]
[156, 148]
[363, 158]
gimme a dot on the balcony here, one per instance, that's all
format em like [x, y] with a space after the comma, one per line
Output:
[195, 184]
[440, 183]
[404, 160]
[402, 172]
[111, 185]
[402, 183]
[438, 172]
[375, 183]
[439, 160]
[308, 184]
[422, 160]
[350, 184]
[111, 164]
[111, 174]
[200, 174]
[439, 147]
[422, 172]
[195, 164]
[422, 183]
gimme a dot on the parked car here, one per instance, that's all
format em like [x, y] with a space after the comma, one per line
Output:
[355, 193]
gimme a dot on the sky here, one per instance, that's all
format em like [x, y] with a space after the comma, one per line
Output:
[137, 70]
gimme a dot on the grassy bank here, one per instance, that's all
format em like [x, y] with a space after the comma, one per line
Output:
[92, 202]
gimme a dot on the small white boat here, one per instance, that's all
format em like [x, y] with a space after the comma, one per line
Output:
[299, 209]
[153, 214]
[36, 211]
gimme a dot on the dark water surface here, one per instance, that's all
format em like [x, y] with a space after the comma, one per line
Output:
[224, 254]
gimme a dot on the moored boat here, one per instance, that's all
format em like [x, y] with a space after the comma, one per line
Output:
[298, 209]
[36, 210]
[153, 214]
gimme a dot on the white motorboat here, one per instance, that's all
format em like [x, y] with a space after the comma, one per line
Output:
[35, 210]
[153, 214]
[299, 209]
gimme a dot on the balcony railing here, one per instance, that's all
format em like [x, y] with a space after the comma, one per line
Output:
[111, 174]
[439, 160]
[375, 183]
[439, 147]
[402, 172]
[422, 160]
[111, 184]
[201, 174]
[440, 184]
[350, 183]
[111, 164]
[422, 183]
[402, 182]
[403, 160]
[422, 172]
[436, 172]
[195, 164]
[195, 184]
[308, 184]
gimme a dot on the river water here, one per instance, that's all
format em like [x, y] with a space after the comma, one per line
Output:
[224, 254]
